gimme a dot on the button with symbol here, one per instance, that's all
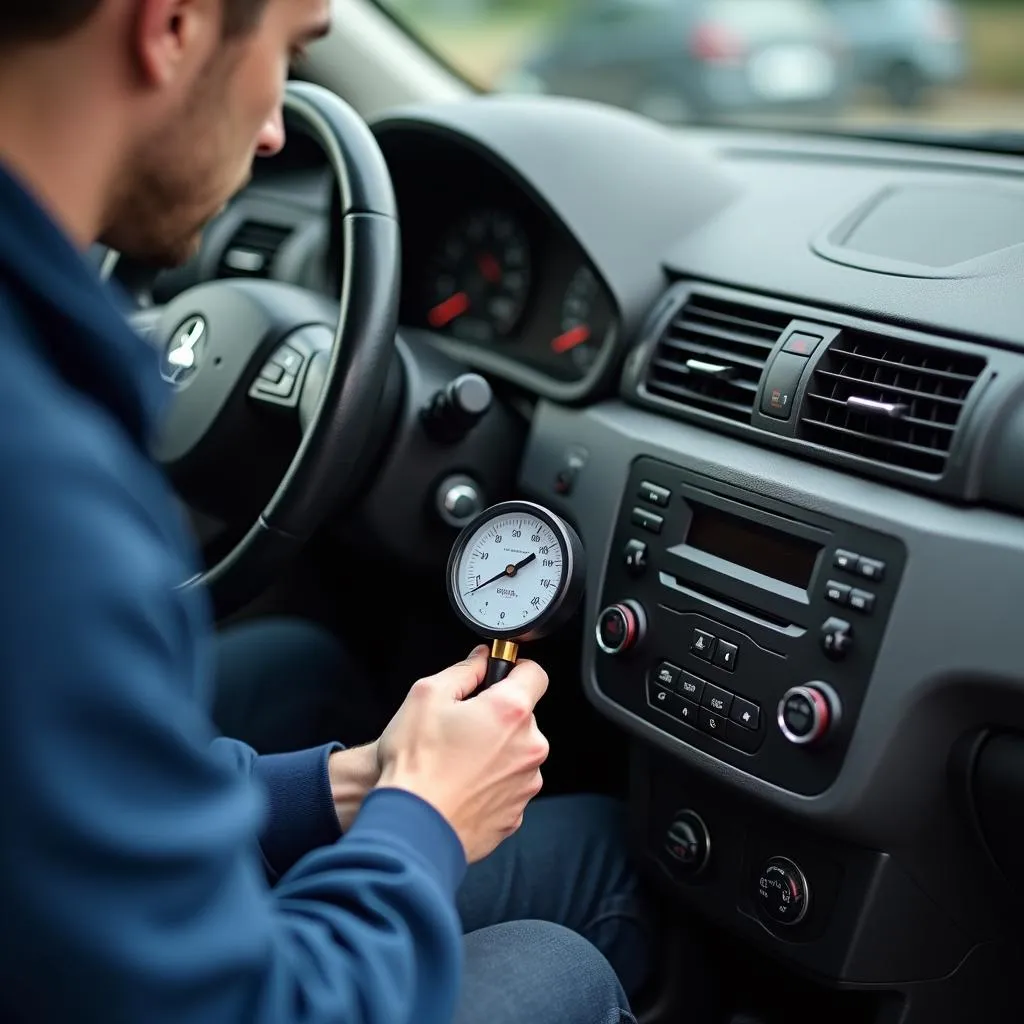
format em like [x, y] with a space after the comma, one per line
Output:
[718, 700]
[846, 560]
[781, 385]
[871, 568]
[662, 699]
[712, 724]
[634, 557]
[725, 656]
[690, 686]
[666, 674]
[745, 714]
[702, 644]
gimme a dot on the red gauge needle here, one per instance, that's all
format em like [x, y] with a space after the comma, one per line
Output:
[445, 312]
[573, 337]
[489, 267]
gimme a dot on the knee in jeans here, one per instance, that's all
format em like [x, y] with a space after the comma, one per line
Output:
[549, 974]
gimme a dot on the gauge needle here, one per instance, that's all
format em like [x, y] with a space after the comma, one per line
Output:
[509, 570]
[445, 312]
[571, 338]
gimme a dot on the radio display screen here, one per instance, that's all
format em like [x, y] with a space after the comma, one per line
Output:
[761, 549]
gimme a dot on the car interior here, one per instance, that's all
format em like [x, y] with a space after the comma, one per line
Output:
[772, 377]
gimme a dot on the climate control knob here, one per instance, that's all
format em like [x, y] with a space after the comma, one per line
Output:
[782, 891]
[807, 714]
[620, 627]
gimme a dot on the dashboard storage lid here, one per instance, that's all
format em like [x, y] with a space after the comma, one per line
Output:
[711, 354]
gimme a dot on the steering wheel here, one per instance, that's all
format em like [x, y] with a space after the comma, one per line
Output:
[237, 351]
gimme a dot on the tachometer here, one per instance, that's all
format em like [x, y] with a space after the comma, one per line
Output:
[480, 279]
[576, 340]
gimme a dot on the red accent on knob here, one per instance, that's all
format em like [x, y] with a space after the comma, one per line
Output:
[618, 628]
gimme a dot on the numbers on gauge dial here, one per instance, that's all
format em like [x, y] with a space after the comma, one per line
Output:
[510, 571]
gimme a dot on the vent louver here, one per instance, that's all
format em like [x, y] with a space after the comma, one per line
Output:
[252, 250]
[897, 403]
[712, 354]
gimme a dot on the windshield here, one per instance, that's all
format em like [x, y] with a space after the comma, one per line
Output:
[941, 66]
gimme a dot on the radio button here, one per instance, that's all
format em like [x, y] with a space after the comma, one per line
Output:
[846, 560]
[836, 638]
[725, 656]
[712, 724]
[634, 557]
[717, 700]
[647, 520]
[666, 674]
[702, 644]
[745, 714]
[690, 686]
[837, 593]
[871, 568]
[654, 494]
[862, 601]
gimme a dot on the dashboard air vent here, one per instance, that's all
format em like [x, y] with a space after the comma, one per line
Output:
[712, 354]
[252, 250]
[895, 402]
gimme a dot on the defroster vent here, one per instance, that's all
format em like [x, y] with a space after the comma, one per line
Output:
[712, 354]
[897, 403]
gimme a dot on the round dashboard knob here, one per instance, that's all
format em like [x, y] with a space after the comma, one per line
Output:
[459, 500]
[688, 843]
[620, 626]
[782, 891]
[808, 713]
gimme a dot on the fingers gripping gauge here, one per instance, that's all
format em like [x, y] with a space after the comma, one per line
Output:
[516, 573]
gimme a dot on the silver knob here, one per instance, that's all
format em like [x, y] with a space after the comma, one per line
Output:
[459, 500]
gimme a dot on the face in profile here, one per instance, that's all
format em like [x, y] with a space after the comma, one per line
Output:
[183, 171]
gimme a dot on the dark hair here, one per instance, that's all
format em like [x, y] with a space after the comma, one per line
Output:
[31, 21]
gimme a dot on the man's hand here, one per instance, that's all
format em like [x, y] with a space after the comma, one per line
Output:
[476, 761]
[353, 774]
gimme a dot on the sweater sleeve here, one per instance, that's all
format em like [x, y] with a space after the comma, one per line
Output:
[130, 872]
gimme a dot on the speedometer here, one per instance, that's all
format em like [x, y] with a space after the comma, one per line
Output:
[479, 280]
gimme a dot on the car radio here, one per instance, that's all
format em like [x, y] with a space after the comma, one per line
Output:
[744, 626]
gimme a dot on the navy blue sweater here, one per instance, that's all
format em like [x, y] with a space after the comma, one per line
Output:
[151, 871]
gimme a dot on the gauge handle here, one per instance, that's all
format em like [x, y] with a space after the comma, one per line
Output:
[501, 662]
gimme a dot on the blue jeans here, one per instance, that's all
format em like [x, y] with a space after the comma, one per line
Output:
[555, 928]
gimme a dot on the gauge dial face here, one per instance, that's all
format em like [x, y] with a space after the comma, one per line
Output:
[480, 279]
[510, 571]
[576, 341]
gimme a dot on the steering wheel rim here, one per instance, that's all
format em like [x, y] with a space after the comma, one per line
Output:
[322, 476]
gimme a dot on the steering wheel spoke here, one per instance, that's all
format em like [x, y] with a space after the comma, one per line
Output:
[147, 323]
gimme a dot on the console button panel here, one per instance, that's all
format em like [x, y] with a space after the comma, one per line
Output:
[745, 597]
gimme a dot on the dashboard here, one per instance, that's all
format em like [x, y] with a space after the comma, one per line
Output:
[777, 384]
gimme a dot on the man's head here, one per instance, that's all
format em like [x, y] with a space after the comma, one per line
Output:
[183, 93]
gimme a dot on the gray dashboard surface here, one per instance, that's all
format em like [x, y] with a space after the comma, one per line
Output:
[794, 196]
[950, 659]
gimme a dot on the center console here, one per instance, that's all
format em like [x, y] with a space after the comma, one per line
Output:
[747, 630]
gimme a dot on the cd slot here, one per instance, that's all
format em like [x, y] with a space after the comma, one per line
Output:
[729, 604]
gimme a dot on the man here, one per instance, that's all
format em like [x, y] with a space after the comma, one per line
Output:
[140, 880]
